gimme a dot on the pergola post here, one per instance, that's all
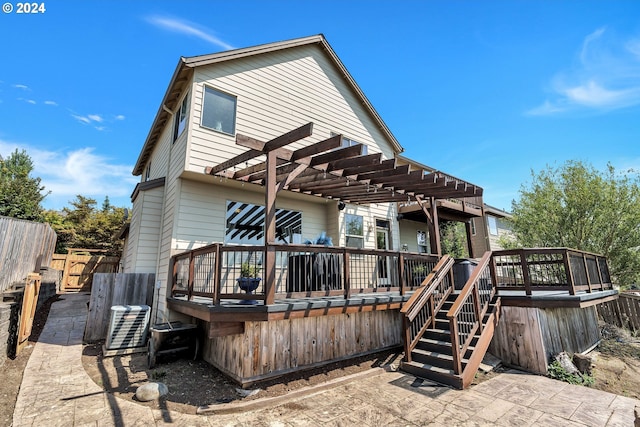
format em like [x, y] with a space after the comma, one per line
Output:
[469, 231]
[270, 228]
[434, 228]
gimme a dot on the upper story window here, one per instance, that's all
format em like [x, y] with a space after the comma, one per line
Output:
[473, 226]
[219, 111]
[180, 119]
[492, 222]
[354, 231]
[348, 142]
[147, 172]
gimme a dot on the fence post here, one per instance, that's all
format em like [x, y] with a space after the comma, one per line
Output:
[567, 266]
[191, 276]
[401, 273]
[347, 277]
[217, 275]
[476, 305]
[525, 272]
[455, 346]
[586, 271]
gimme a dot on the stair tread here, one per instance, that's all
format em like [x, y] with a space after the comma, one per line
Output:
[427, 367]
[436, 354]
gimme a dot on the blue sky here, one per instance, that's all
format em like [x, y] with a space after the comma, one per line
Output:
[483, 90]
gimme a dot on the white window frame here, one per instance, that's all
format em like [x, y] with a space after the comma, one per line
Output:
[147, 172]
[348, 142]
[473, 226]
[351, 236]
[180, 119]
[492, 225]
[204, 108]
[423, 244]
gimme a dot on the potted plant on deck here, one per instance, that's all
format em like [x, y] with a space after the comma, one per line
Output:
[248, 281]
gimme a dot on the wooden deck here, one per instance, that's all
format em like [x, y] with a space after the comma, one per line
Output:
[335, 303]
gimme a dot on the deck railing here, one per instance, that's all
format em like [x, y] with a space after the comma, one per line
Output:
[300, 271]
[468, 310]
[419, 313]
[555, 269]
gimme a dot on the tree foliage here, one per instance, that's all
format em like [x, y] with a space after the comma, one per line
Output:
[20, 193]
[85, 226]
[579, 207]
[453, 238]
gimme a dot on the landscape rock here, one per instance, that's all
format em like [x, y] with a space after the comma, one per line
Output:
[566, 363]
[247, 393]
[583, 362]
[151, 391]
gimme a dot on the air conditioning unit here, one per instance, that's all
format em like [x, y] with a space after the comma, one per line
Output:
[128, 327]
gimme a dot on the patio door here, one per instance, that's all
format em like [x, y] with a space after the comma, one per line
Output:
[382, 243]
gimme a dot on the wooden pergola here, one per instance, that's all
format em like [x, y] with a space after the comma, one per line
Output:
[324, 169]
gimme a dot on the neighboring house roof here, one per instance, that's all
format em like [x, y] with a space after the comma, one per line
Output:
[183, 73]
[496, 212]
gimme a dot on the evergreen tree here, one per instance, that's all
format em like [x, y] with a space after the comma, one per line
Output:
[21, 194]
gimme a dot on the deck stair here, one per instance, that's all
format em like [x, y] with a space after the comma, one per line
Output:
[447, 332]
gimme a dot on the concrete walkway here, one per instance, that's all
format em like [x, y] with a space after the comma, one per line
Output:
[56, 391]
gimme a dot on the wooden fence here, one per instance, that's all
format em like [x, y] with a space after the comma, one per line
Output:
[115, 289]
[623, 312]
[25, 246]
[78, 269]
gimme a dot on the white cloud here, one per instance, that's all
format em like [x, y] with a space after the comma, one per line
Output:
[81, 119]
[606, 77]
[52, 103]
[89, 119]
[120, 117]
[188, 28]
[67, 173]
[23, 87]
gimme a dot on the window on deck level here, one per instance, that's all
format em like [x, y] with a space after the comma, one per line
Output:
[245, 224]
[180, 119]
[423, 243]
[354, 231]
[219, 111]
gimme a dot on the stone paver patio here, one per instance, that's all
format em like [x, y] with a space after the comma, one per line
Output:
[56, 391]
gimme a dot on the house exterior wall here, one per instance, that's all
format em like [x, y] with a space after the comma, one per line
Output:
[141, 253]
[201, 216]
[278, 92]
[409, 234]
[502, 228]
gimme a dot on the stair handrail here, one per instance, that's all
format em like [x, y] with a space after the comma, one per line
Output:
[435, 284]
[473, 315]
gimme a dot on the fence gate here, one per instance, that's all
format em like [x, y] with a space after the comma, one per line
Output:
[29, 303]
[78, 269]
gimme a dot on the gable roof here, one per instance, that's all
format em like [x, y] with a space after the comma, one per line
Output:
[184, 71]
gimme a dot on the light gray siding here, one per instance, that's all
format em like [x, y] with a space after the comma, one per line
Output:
[275, 94]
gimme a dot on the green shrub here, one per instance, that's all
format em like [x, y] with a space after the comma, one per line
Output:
[557, 372]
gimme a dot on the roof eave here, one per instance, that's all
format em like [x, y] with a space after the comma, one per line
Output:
[148, 146]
